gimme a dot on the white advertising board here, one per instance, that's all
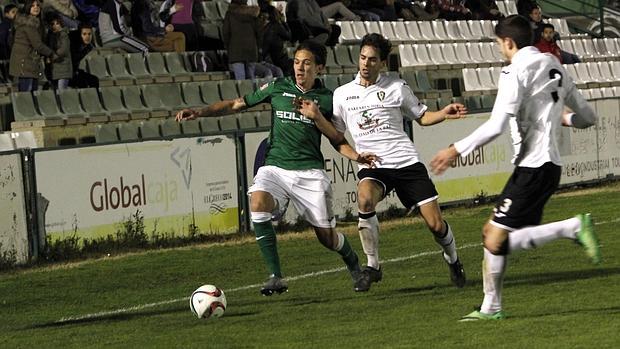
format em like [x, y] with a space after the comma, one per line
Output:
[13, 217]
[172, 183]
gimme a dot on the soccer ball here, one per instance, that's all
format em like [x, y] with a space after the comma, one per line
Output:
[207, 302]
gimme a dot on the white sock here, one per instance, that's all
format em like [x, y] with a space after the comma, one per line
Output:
[493, 268]
[532, 237]
[369, 235]
[448, 244]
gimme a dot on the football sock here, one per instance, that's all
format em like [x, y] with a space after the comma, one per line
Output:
[448, 244]
[348, 255]
[532, 237]
[266, 239]
[368, 228]
[493, 268]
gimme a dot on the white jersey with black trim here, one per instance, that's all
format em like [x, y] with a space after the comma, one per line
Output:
[532, 92]
[374, 117]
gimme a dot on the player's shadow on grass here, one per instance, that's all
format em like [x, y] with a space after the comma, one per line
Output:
[598, 311]
[125, 317]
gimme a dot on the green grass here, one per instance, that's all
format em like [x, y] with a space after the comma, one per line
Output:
[553, 296]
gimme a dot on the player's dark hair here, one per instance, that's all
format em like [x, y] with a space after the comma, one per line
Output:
[517, 28]
[378, 42]
[547, 25]
[318, 51]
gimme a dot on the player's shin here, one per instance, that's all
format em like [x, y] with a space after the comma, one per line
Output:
[493, 268]
[368, 228]
[266, 239]
[448, 244]
[532, 237]
[346, 251]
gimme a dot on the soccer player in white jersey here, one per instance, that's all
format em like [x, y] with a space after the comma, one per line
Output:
[372, 108]
[533, 91]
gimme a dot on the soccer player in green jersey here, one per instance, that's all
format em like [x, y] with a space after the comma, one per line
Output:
[294, 165]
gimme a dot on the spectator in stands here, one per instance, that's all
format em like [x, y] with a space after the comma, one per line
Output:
[81, 45]
[61, 69]
[413, 11]
[65, 8]
[307, 21]
[28, 46]
[384, 9]
[114, 30]
[6, 31]
[147, 26]
[453, 10]
[88, 11]
[181, 14]
[275, 33]
[546, 43]
[484, 10]
[524, 7]
[242, 37]
[536, 21]
[337, 10]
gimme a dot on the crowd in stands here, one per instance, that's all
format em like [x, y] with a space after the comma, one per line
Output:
[60, 33]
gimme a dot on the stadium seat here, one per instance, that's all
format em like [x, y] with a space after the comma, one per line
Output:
[176, 67]
[210, 92]
[344, 60]
[118, 70]
[359, 30]
[137, 68]
[97, 66]
[162, 99]
[473, 50]
[211, 11]
[191, 127]
[70, 105]
[345, 78]
[486, 80]
[113, 103]
[372, 27]
[439, 31]
[402, 33]
[596, 76]
[387, 30]
[461, 54]
[245, 87]
[607, 92]
[263, 119]
[222, 8]
[209, 125]
[488, 29]
[425, 85]
[246, 121]
[128, 131]
[91, 104]
[228, 123]
[157, 67]
[473, 103]
[354, 53]
[470, 79]
[431, 103]
[464, 31]
[6, 142]
[606, 73]
[170, 128]
[475, 28]
[426, 30]
[331, 65]
[346, 36]
[450, 56]
[132, 96]
[407, 56]
[149, 129]
[24, 108]
[453, 31]
[106, 133]
[191, 94]
[330, 81]
[48, 106]
[487, 101]
[228, 89]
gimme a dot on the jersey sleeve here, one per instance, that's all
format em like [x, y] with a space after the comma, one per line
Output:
[509, 93]
[261, 95]
[411, 106]
[584, 114]
[338, 115]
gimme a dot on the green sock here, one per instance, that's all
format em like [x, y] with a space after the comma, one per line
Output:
[348, 255]
[266, 239]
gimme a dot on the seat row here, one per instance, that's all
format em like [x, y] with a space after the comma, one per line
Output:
[592, 49]
[136, 68]
[585, 75]
[90, 105]
[449, 55]
[168, 128]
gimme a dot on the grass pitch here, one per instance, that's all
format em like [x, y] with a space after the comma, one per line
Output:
[554, 297]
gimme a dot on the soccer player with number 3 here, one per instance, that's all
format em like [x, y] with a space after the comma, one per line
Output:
[532, 93]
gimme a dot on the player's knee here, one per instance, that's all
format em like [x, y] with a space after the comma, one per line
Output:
[497, 245]
[435, 225]
[327, 237]
[365, 202]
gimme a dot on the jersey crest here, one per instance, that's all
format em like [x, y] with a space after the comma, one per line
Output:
[381, 95]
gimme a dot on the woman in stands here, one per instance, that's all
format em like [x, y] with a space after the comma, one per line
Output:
[25, 63]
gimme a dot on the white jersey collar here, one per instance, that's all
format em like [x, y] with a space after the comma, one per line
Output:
[524, 53]
[358, 79]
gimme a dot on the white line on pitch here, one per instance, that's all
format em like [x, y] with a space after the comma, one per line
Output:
[293, 278]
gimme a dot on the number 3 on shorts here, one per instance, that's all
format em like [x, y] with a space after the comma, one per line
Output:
[505, 206]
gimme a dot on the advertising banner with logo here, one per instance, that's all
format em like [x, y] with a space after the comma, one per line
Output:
[174, 184]
[13, 216]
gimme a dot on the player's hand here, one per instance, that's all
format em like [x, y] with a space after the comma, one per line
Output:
[443, 159]
[455, 111]
[186, 114]
[567, 116]
[306, 108]
[368, 159]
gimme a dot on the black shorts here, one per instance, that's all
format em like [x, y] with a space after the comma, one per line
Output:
[523, 199]
[412, 184]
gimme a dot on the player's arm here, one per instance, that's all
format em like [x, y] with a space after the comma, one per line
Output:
[451, 111]
[310, 110]
[484, 134]
[583, 116]
[216, 109]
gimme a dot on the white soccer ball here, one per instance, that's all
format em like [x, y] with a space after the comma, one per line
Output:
[207, 302]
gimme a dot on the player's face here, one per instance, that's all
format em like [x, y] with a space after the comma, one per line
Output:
[547, 34]
[305, 68]
[502, 44]
[370, 63]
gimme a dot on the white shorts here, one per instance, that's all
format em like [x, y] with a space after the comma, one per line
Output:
[309, 190]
